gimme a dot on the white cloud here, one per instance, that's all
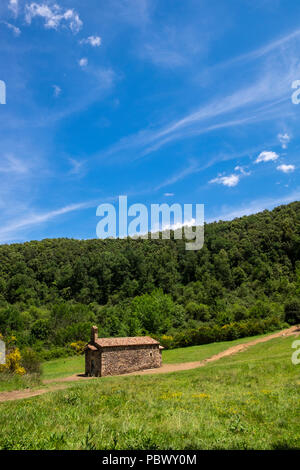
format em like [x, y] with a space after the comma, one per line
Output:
[83, 62]
[53, 16]
[169, 194]
[172, 226]
[177, 225]
[242, 170]
[284, 139]
[266, 157]
[94, 41]
[14, 29]
[286, 168]
[253, 207]
[230, 181]
[14, 6]
[57, 90]
[36, 219]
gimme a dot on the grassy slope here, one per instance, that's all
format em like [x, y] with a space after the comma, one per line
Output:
[75, 365]
[250, 400]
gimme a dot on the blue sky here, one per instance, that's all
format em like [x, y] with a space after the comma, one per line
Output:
[163, 101]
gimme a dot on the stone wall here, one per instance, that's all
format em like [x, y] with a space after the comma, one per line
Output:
[93, 363]
[119, 360]
[87, 361]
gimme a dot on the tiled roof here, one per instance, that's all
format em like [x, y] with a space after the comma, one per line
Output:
[129, 341]
[91, 347]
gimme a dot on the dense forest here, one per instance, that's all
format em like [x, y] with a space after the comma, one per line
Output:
[245, 280]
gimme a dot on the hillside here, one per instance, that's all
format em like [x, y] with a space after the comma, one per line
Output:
[248, 270]
[246, 401]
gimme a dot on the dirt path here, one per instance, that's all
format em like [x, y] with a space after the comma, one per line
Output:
[295, 330]
[28, 393]
[19, 394]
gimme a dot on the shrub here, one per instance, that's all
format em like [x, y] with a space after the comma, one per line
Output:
[53, 353]
[74, 332]
[198, 312]
[13, 363]
[239, 312]
[262, 309]
[292, 312]
[30, 361]
[78, 347]
[167, 341]
[40, 329]
[214, 333]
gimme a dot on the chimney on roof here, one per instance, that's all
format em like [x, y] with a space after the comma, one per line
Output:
[94, 334]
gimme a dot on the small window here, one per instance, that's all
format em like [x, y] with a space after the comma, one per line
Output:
[151, 354]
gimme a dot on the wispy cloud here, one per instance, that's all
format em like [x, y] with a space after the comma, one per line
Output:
[33, 219]
[195, 167]
[261, 52]
[14, 6]
[242, 170]
[264, 98]
[11, 164]
[76, 165]
[192, 168]
[13, 28]
[284, 139]
[164, 57]
[164, 47]
[229, 213]
[257, 102]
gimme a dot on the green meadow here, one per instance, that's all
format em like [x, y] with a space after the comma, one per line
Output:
[10, 382]
[247, 401]
[64, 367]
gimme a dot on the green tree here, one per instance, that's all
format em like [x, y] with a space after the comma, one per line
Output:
[292, 312]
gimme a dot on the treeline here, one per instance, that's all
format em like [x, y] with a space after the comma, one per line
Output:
[248, 271]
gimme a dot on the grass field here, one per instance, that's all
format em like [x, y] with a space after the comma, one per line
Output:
[247, 401]
[75, 365]
[9, 382]
[64, 367]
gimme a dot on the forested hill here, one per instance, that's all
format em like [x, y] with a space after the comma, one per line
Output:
[248, 268]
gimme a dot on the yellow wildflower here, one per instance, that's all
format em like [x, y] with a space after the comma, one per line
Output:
[201, 395]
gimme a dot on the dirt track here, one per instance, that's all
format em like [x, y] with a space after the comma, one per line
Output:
[20, 394]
